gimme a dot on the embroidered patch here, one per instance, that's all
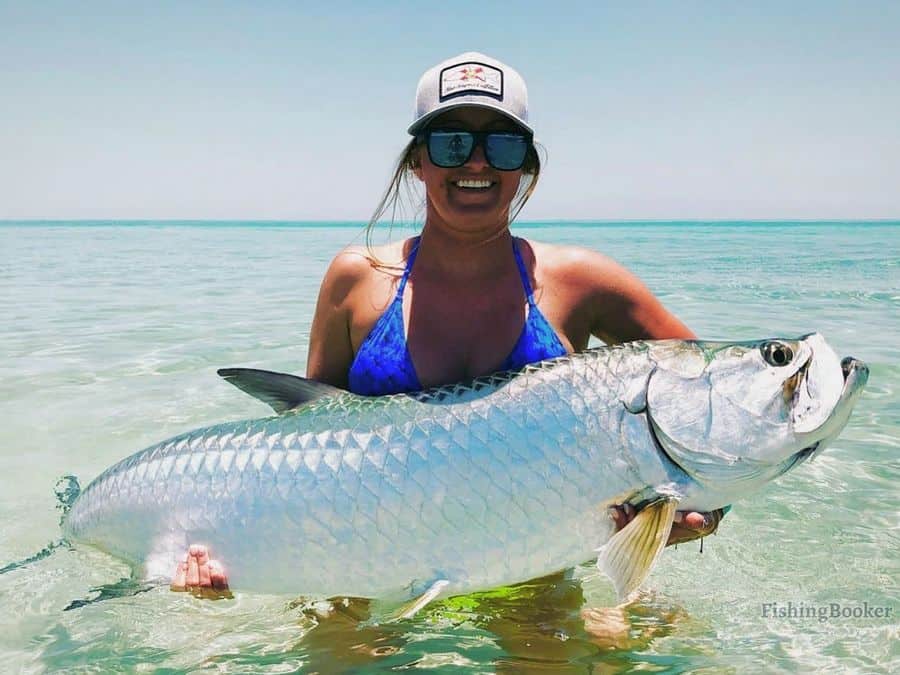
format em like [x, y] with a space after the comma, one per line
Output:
[471, 78]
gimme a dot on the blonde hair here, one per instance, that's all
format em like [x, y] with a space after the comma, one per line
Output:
[403, 195]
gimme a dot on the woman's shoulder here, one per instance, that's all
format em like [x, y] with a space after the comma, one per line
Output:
[616, 304]
[358, 271]
[357, 263]
[565, 254]
[578, 265]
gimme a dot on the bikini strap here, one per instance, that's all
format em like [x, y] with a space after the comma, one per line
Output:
[523, 273]
[409, 263]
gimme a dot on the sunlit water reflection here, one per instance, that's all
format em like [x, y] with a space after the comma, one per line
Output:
[111, 337]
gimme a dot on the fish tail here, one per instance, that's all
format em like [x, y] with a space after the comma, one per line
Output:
[66, 490]
[40, 555]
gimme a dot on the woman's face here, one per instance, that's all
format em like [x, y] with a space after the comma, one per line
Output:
[474, 197]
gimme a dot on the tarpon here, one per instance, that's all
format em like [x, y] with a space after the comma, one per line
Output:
[472, 486]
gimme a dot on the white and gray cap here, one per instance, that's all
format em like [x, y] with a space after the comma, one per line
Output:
[470, 79]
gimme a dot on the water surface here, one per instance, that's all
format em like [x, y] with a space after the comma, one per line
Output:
[111, 335]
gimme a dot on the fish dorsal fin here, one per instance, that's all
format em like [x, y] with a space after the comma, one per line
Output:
[279, 390]
[629, 556]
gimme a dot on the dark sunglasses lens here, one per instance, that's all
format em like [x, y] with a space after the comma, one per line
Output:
[450, 149]
[506, 151]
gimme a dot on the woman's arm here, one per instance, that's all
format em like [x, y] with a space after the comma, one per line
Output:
[624, 309]
[330, 348]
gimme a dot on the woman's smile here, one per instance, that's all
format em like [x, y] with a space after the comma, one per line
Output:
[475, 189]
[474, 184]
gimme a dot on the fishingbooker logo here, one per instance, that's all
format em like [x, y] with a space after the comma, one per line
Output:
[833, 611]
[471, 78]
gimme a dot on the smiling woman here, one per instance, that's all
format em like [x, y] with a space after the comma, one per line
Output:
[449, 139]
[465, 297]
[472, 167]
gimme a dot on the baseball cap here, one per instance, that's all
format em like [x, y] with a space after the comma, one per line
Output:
[470, 79]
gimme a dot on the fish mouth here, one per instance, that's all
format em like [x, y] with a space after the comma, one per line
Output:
[856, 374]
[790, 388]
[854, 368]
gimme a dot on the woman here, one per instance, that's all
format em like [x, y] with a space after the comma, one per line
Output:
[466, 298]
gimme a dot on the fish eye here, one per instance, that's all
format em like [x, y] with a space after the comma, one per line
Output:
[777, 353]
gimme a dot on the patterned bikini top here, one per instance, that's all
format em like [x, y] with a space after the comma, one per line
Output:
[383, 364]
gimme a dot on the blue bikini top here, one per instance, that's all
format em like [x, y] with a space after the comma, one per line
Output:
[383, 364]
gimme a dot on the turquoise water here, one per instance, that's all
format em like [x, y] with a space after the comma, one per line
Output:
[110, 338]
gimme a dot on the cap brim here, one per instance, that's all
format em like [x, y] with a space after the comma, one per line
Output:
[423, 121]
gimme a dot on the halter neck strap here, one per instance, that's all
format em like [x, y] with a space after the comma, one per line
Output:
[523, 273]
[409, 263]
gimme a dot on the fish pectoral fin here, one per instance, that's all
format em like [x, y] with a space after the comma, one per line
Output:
[411, 608]
[279, 390]
[630, 554]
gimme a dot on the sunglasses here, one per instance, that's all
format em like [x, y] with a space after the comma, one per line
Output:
[503, 150]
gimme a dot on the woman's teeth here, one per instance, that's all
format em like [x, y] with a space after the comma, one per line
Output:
[473, 184]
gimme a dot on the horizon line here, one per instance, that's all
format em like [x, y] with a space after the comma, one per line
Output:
[363, 223]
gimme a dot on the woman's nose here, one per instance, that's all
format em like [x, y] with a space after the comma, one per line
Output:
[477, 160]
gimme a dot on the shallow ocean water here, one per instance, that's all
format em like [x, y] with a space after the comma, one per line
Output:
[110, 338]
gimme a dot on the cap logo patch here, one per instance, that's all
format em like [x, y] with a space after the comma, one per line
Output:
[471, 78]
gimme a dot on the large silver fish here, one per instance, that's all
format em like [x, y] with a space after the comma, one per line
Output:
[477, 485]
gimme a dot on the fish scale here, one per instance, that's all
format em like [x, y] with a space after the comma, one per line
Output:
[492, 482]
[436, 474]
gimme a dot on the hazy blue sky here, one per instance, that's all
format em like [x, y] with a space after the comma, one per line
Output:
[297, 110]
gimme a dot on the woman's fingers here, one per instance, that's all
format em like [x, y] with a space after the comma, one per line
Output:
[693, 525]
[200, 575]
[201, 553]
[621, 515]
[193, 569]
[179, 581]
[687, 525]
[694, 520]
[217, 576]
[616, 515]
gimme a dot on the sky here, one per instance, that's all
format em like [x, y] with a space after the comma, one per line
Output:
[298, 110]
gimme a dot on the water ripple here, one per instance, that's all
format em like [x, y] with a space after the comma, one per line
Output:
[112, 338]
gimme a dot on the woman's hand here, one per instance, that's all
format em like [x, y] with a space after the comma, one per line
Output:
[688, 525]
[200, 576]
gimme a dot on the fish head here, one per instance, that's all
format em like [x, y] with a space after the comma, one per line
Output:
[739, 413]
